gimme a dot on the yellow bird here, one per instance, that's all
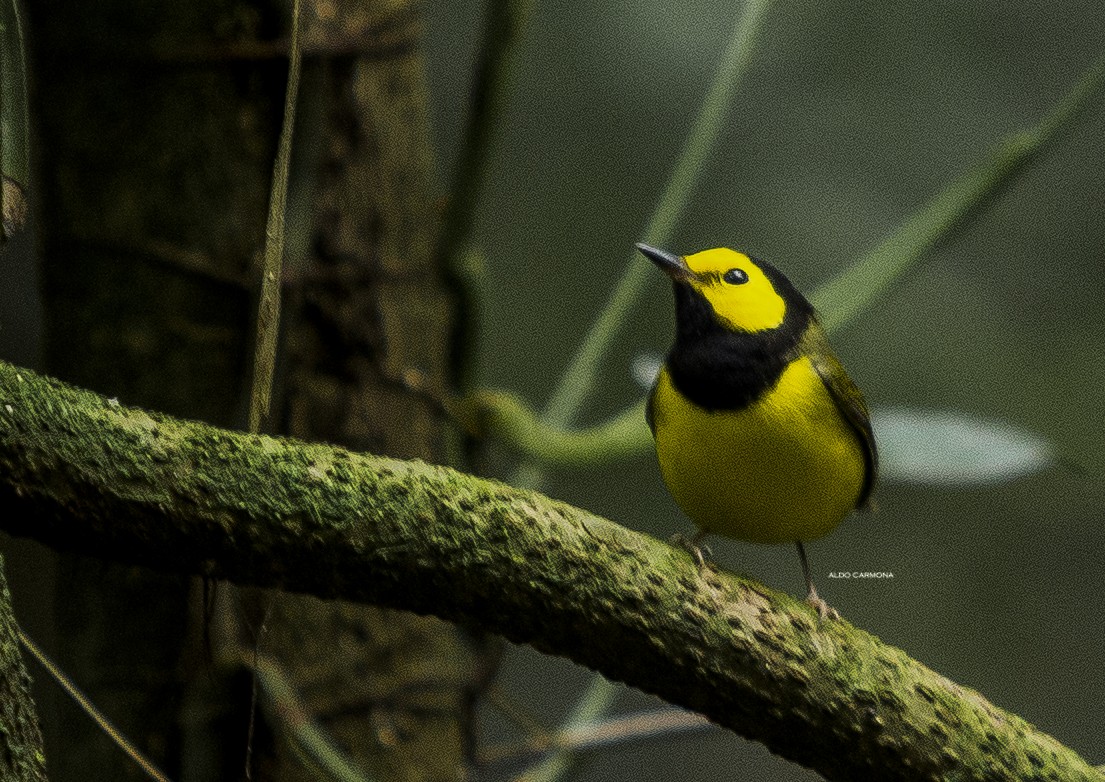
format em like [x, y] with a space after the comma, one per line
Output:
[760, 433]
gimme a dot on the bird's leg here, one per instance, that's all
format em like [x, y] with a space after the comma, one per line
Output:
[824, 610]
[692, 547]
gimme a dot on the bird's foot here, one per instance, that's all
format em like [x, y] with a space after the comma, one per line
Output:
[702, 555]
[823, 609]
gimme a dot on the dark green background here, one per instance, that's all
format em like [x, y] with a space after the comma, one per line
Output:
[851, 115]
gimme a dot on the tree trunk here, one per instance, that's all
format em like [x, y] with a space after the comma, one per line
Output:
[158, 126]
[371, 306]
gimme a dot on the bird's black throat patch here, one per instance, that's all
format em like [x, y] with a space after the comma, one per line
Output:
[718, 368]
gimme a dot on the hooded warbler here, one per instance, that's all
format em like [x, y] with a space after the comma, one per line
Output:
[760, 433]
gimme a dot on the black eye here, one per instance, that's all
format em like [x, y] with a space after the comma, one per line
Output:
[735, 276]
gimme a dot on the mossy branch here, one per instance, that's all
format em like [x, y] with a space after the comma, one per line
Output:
[81, 472]
[503, 415]
[21, 756]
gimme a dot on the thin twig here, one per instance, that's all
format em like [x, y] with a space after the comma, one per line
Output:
[521, 717]
[579, 378]
[504, 21]
[659, 723]
[855, 288]
[310, 740]
[268, 308]
[89, 708]
[255, 687]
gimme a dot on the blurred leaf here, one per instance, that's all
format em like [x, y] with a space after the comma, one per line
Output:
[644, 368]
[14, 141]
[946, 448]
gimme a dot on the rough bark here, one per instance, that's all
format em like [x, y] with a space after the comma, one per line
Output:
[21, 756]
[80, 471]
[369, 303]
[156, 133]
[158, 130]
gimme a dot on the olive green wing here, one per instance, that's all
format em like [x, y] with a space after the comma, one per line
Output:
[849, 400]
[650, 412]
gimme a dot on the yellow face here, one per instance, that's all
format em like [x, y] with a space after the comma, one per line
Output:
[740, 293]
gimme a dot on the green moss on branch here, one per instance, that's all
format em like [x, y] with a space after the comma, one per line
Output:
[81, 472]
[21, 757]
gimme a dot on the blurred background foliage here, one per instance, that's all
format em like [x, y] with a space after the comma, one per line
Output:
[851, 115]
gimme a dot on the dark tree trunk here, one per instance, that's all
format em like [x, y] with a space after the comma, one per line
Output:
[157, 127]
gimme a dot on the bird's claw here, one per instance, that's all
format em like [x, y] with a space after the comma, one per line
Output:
[701, 554]
[823, 609]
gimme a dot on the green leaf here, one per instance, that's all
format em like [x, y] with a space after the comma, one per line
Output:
[947, 448]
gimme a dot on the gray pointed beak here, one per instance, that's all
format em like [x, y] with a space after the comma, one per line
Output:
[671, 264]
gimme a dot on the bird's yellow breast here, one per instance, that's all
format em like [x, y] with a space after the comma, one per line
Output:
[787, 467]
